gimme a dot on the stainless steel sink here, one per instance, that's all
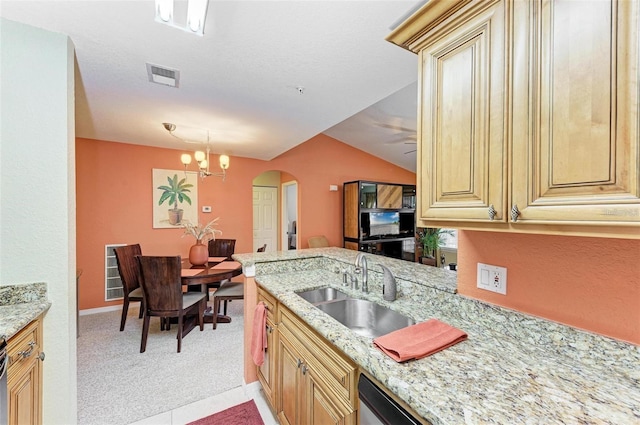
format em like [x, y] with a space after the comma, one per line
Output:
[365, 317]
[322, 295]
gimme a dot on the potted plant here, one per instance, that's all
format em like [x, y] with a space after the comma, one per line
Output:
[199, 253]
[431, 240]
[175, 192]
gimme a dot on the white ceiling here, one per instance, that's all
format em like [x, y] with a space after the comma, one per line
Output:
[240, 79]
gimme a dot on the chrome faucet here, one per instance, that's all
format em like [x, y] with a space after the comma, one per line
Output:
[361, 265]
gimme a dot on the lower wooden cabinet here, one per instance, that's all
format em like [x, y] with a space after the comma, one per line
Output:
[266, 372]
[304, 394]
[301, 396]
[306, 380]
[24, 375]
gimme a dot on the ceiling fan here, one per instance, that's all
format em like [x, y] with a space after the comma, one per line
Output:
[409, 139]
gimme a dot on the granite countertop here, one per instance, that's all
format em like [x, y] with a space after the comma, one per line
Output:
[19, 305]
[513, 368]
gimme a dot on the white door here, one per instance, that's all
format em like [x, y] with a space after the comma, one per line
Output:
[265, 217]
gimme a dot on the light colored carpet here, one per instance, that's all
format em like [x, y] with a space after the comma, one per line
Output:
[118, 385]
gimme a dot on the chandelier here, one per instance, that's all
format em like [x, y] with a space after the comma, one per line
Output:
[201, 157]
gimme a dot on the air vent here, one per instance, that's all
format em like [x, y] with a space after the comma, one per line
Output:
[163, 75]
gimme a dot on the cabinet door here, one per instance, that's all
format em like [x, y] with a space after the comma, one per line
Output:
[576, 75]
[24, 395]
[266, 372]
[352, 245]
[351, 210]
[389, 196]
[289, 383]
[24, 375]
[461, 144]
[320, 409]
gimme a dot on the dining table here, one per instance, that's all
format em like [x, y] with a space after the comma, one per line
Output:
[197, 278]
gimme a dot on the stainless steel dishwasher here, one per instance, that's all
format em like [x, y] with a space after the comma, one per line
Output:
[4, 410]
[376, 407]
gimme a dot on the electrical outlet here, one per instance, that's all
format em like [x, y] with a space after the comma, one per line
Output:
[492, 278]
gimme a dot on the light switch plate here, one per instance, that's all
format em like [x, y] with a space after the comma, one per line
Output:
[492, 278]
[206, 209]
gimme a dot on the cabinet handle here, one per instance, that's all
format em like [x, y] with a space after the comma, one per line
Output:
[41, 356]
[269, 329]
[304, 369]
[299, 363]
[515, 212]
[27, 353]
[492, 212]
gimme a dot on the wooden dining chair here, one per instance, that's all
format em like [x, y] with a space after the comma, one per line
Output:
[222, 248]
[128, 269]
[318, 242]
[228, 292]
[161, 282]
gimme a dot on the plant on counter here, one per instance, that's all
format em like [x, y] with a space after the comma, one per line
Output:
[431, 239]
[175, 192]
[201, 232]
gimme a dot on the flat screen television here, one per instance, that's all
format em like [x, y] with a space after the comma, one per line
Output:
[384, 223]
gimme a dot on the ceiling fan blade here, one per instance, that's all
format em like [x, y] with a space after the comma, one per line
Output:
[395, 127]
[400, 140]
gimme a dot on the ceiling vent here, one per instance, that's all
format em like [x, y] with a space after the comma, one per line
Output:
[163, 75]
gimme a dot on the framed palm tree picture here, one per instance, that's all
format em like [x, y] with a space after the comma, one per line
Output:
[175, 198]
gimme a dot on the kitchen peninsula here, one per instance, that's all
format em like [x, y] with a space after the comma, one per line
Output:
[19, 305]
[513, 368]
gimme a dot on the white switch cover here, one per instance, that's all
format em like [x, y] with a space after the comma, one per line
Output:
[206, 209]
[492, 278]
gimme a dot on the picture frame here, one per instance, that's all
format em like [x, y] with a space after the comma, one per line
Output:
[175, 198]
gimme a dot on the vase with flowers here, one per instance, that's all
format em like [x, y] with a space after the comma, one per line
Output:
[199, 253]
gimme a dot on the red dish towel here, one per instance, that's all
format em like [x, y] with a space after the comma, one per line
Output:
[418, 341]
[259, 334]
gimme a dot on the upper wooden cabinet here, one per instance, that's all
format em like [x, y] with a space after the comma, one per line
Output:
[528, 115]
[575, 116]
[462, 166]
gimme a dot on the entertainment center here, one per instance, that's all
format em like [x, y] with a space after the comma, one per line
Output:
[379, 218]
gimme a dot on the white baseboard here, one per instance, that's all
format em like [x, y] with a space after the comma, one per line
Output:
[252, 388]
[100, 310]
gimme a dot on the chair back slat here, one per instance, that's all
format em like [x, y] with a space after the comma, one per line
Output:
[161, 282]
[318, 242]
[222, 248]
[128, 266]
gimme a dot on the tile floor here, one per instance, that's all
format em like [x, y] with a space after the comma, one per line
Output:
[211, 405]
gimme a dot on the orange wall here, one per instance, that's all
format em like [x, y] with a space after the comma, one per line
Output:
[588, 283]
[114, 195]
